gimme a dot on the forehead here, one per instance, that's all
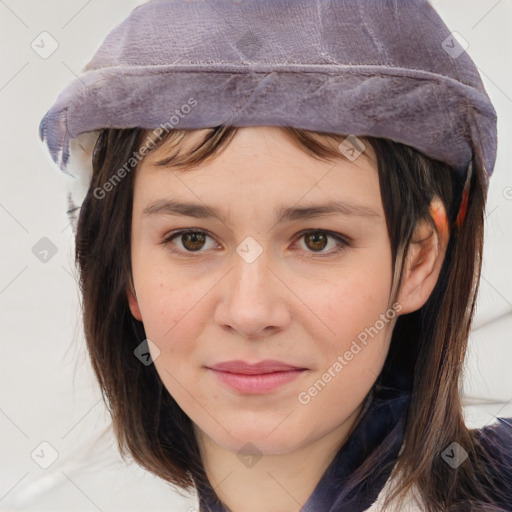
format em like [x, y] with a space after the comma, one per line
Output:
[260, 167]
[259, 139]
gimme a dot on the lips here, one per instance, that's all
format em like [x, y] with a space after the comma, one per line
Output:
[256, 378]
[260, 368]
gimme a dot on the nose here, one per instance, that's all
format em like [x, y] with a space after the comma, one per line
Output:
[255, 300]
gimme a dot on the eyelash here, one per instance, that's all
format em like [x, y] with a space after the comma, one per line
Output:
[343, 241]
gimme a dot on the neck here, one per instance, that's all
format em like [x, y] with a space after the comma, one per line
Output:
[273, 482]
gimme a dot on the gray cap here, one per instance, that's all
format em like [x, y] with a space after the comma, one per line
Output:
[382, 68]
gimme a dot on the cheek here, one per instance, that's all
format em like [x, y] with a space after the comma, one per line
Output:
[353, 348]
[165, 306]
[352, 356]
[350, 303]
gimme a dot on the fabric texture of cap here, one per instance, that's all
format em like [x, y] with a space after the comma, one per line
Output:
[383, 68]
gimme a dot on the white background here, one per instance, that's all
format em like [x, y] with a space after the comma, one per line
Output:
[47, 389]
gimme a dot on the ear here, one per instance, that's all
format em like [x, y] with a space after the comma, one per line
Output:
[134, 305]
[424, 259]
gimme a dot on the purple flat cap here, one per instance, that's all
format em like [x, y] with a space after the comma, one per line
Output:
[383, 68]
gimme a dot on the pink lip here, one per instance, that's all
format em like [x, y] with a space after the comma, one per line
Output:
[256, 378]
[266, 366]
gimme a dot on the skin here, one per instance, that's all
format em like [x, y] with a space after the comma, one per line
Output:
[288, 304]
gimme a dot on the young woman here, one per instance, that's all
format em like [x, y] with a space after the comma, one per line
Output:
[280, 250]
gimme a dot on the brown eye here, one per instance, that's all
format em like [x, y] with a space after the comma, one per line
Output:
[316, 240]
[319, 242]
[193, 241]
[196, 241]
[187, 241]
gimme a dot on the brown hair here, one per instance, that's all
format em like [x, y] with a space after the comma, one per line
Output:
[430, 342]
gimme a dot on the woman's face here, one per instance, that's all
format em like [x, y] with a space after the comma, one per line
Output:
[265, 278]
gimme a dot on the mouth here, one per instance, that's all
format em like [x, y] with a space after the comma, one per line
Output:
[259, 368]
[257, 377]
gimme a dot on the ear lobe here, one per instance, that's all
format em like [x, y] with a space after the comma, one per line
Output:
[134, 305]
[424, 260]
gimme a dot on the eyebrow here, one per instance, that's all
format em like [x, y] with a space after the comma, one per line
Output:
[281, 214]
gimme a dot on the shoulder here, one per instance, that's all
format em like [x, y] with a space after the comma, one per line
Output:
[494, 443]
[411, 502]
[496, 439]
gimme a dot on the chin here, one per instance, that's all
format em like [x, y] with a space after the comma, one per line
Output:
[259, 440]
